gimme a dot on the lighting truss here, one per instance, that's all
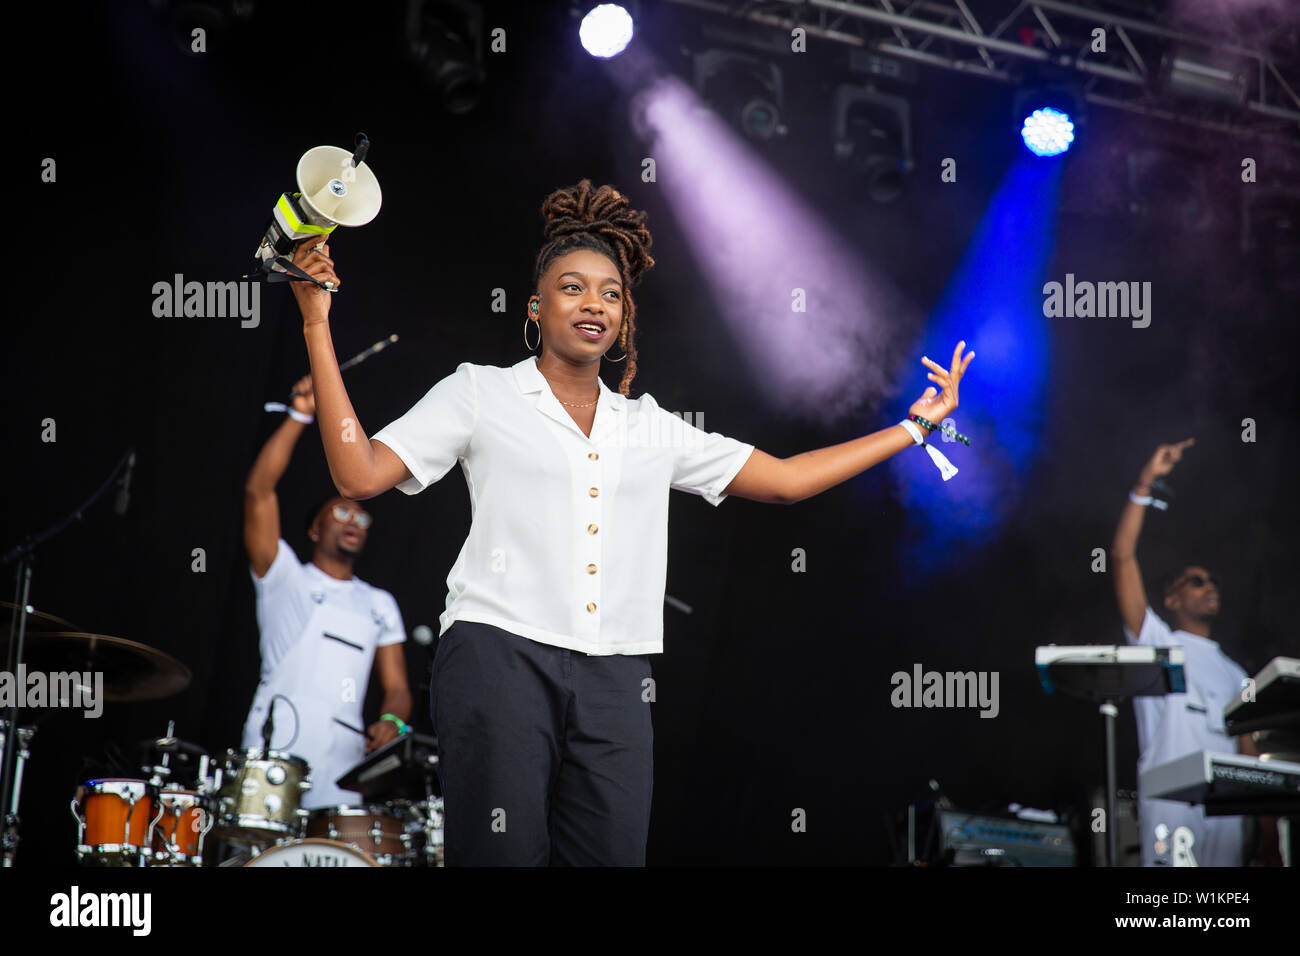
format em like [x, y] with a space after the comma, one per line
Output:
[947, 34]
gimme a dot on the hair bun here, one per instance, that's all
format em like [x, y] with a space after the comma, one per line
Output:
[582, 203]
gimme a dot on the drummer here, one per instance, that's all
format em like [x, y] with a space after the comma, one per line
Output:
[321, 627]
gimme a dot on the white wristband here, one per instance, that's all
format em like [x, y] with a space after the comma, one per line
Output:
[293, 413]
[946, 468]
[1145, 500]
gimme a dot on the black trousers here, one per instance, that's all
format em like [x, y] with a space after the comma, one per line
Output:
[546, 755]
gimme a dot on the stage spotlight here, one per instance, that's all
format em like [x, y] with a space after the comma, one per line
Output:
[873, 135]
[1047, 132]
[1048, 116]
[606, 30]
[1209, 76]
[744, 90]
[445, 41]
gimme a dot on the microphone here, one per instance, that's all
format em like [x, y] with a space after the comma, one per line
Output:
[268, 728]
[422, 634]
[124, 486]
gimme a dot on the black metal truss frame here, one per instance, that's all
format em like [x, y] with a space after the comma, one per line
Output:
[946, 34]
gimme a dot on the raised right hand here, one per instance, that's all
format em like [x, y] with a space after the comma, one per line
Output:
[313, 301]
[304, 399]
[1164, 459]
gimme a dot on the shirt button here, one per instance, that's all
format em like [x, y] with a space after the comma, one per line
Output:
[592, 455]
[592, 529]
[591, 608]
[591, 569]
[593, 492]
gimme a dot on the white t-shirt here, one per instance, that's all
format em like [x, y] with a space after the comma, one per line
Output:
[288, 594]
[568, 543]
[318, 640]
[1174, 725]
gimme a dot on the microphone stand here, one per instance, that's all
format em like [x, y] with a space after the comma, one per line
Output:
[23, 553]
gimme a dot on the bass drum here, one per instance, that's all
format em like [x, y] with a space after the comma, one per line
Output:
[312, 852]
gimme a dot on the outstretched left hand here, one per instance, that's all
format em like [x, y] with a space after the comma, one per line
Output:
[936, 405]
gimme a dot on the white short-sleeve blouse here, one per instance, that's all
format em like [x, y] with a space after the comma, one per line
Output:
[568, 543]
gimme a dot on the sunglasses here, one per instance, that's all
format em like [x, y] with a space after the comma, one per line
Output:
[342, 514]
[1200, 580]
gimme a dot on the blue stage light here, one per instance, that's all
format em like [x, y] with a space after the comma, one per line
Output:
[1047, 132]
[606, 30]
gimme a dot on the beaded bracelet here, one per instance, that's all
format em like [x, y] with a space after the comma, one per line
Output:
[945, 429]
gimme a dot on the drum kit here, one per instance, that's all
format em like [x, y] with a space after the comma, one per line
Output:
[189, 808]
[245, 809]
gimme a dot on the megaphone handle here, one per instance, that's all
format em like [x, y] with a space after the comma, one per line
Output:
[298, 274]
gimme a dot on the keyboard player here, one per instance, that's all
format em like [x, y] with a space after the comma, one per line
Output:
[1177, 724]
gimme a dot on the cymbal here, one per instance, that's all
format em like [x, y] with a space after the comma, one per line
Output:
[172, 745]
[36, 621]
[132, 671]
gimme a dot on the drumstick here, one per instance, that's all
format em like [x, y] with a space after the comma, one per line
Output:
[350, 727]
[355, 360]
[362, 356]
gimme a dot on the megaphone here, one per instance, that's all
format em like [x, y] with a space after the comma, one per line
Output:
[335, 188]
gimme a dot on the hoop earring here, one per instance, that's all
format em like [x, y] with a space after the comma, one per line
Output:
[528, 322]
[608, 359]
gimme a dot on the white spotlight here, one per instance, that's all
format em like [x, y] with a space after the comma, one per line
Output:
[606, 30]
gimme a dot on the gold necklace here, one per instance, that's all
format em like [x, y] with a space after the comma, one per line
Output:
[583, 404]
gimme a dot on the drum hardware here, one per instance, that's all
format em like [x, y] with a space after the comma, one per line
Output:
[21, 556]
[431, 822]
[157, 756]
[9, 822]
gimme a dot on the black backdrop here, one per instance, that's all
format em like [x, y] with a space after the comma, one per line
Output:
[774, 693]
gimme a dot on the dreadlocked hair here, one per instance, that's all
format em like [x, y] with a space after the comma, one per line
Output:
[602, 220]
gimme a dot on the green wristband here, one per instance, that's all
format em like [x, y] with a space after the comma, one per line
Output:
[402, 726]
